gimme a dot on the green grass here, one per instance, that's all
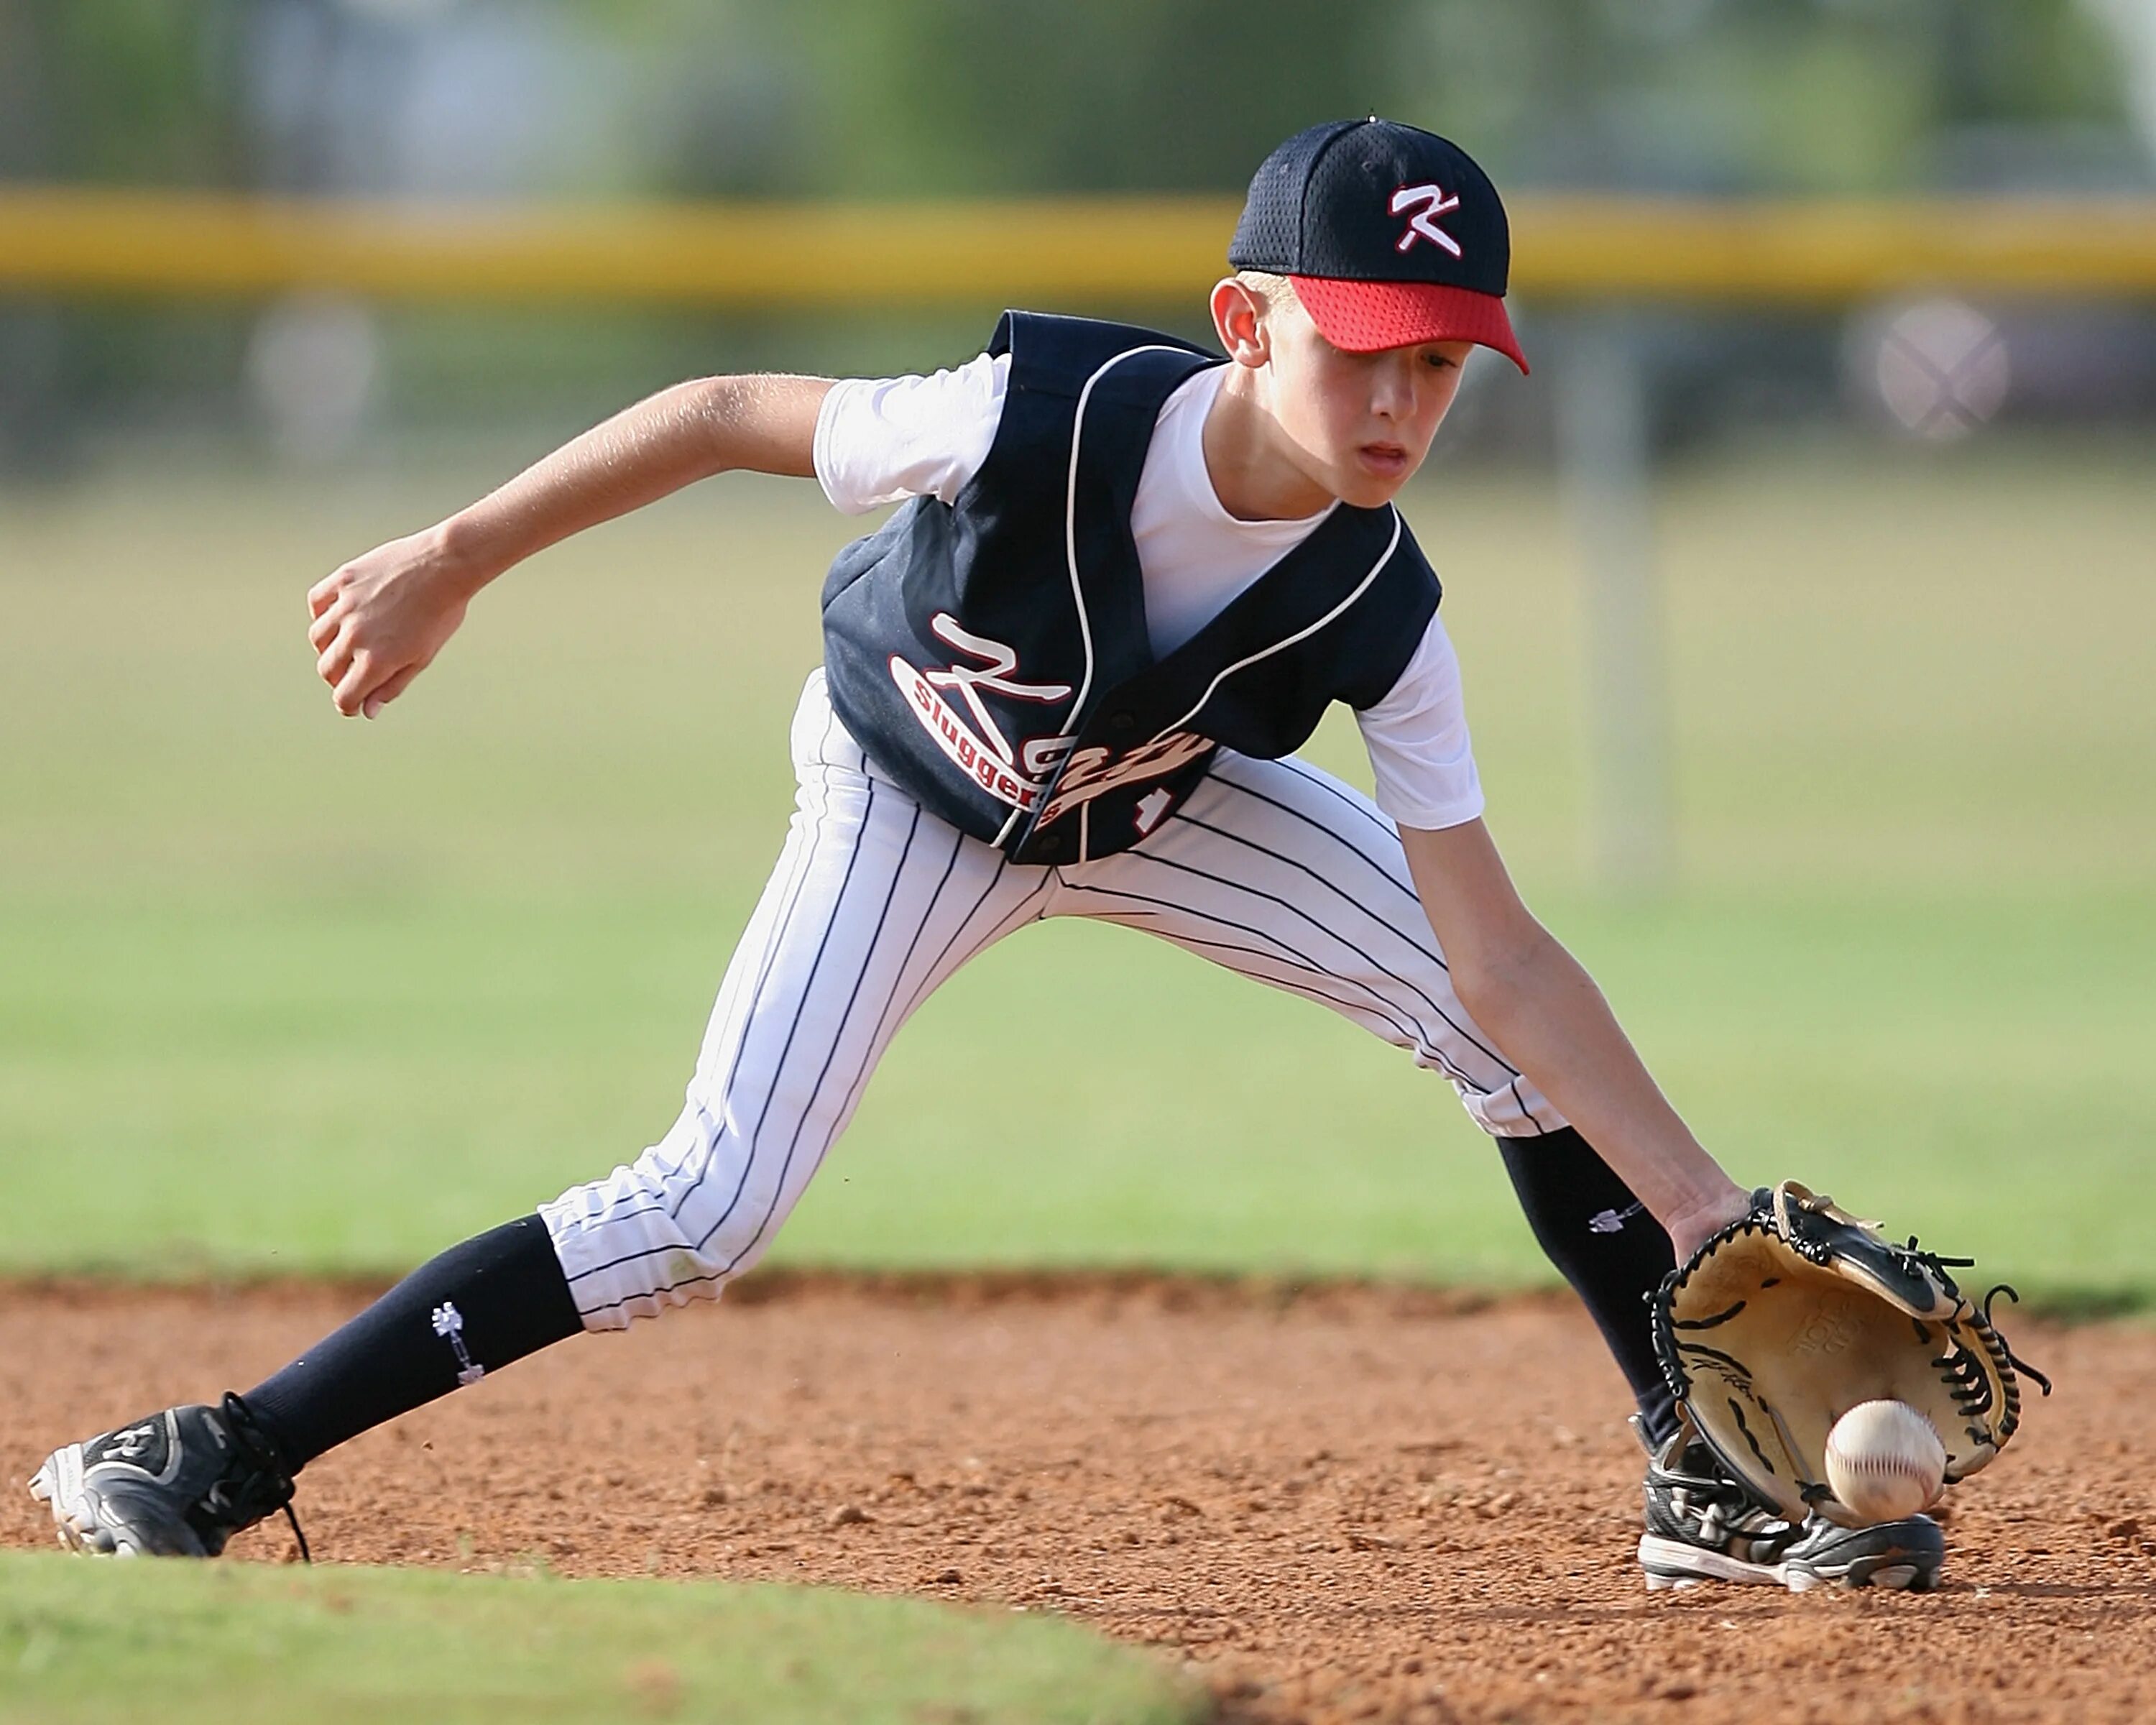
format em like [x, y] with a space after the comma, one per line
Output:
[282, 992]
[231, 1644]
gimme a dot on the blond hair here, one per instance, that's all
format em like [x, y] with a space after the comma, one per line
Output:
[1272, 291]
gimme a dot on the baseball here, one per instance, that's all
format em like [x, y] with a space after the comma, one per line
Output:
[1885, 1462]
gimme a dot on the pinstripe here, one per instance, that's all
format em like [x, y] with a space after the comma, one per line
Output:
[1410, 1033]
[720, 1012]
[1510, 1070]
[1027, 907]
[1420, 1045]
[838, 1036]
[884, 1028]
[1027, 911]
[1401, 1021]
[589, 1312]
[724, 1012]
[1227, 773]
[1002, 865]
[1406, 886]
[1428, 952]
[741, 999]
[898, 977]
[1406, 938]
[1338, 793]
[678, 1201]
[793, 1030]
[653, 1205]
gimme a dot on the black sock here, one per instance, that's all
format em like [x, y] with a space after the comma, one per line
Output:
[1609, 1248]
[471, 1311]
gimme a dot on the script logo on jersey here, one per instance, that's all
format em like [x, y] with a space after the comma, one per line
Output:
[1013, 774]
[1019, 773]
[1423, 224]
[1094, 772]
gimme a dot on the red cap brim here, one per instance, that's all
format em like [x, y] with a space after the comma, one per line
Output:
[1364, 316]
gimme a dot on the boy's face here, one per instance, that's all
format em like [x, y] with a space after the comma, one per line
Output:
[1356, 425]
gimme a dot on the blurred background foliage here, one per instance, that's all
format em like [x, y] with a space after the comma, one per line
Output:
[605, 100]
[872, 97]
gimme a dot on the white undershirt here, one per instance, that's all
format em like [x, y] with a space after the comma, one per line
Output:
[882, 439]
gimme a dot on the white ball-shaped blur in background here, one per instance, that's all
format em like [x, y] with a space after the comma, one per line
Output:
[312, 362]
[1938, 367]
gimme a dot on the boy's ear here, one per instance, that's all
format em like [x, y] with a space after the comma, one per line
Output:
[1239, 320]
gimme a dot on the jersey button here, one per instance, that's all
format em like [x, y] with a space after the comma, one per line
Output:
[1122, 724]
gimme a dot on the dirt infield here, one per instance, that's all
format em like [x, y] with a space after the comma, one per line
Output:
[1342, 1505]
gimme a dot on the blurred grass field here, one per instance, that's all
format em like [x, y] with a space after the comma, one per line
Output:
[285, 992]
[234, 1644]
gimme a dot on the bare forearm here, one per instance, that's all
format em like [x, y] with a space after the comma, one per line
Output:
[1552, 1022]
[379, 621]
[645, 452]
[1547, 1015]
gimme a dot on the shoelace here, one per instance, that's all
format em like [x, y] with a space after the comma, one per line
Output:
[255, 1445]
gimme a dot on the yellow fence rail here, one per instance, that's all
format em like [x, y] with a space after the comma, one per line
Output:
[1066, 250]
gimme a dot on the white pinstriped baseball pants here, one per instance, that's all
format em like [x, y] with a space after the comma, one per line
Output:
[1272, 868]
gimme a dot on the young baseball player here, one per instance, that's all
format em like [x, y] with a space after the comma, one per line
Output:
[1066, 678]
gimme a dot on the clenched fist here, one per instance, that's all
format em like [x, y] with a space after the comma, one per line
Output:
[379, 621]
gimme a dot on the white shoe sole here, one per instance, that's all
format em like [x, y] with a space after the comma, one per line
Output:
[1671, 1564]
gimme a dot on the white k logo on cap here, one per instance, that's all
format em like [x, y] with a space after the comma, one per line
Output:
[1423, 224]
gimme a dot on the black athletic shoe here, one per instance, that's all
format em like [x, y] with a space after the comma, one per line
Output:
[177, 1484]
[1703, 1526]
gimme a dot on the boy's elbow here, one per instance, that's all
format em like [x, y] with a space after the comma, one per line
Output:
[1484, 988]
[1492, 981]
[767, 424]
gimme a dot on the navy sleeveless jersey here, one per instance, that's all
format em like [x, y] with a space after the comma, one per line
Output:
[991, 654]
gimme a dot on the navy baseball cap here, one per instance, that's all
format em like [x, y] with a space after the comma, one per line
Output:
[1391, 235]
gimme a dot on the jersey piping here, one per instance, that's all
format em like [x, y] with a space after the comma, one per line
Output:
[1070, 511]
[1286, 641]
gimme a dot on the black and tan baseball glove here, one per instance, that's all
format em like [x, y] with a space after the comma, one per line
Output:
[1785, 1320]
